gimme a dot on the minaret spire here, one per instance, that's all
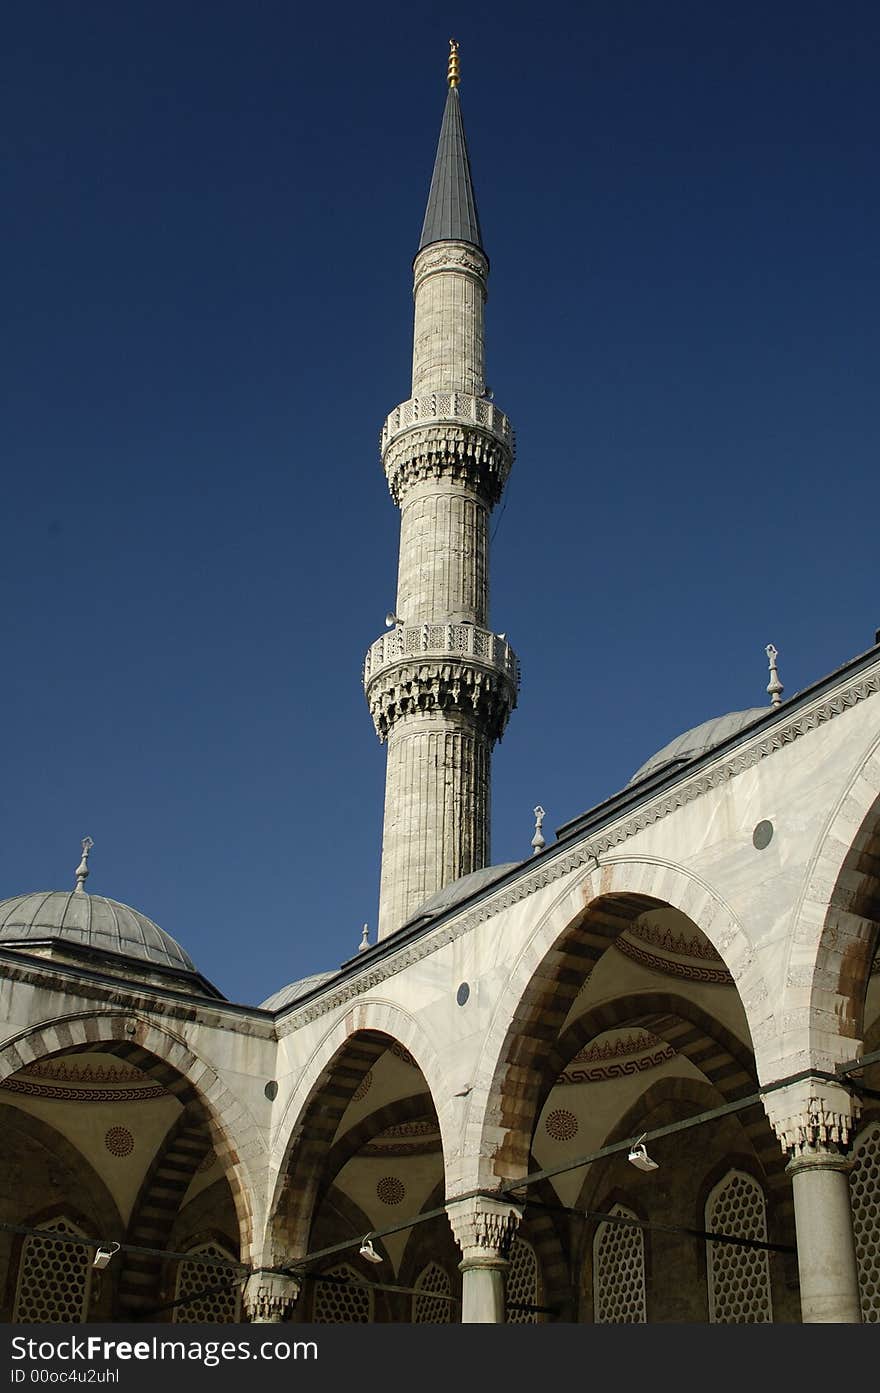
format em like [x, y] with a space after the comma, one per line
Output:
[451, 214]
[441, 685]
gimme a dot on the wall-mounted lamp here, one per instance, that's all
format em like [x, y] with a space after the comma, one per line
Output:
[104, 1254]
[369, 1252]
[639, 1157]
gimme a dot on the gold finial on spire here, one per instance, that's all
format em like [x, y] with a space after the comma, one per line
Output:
[453, 71]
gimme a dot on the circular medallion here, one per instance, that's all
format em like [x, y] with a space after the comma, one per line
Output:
[463, 993]
[119, 1141]
[390, 1190]
[561, 1125]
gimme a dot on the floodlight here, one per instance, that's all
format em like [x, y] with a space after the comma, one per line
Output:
[104, 1254]
[639, 1157]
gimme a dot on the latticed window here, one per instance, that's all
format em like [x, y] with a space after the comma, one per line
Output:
[429, 1307]
[865, 1195]
[54, 1277]
[522, 1283]
[214, 1292]
[739, 1278]
[619, 1272]
[342, 1305]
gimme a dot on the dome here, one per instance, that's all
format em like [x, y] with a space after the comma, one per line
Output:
[89, 921]
[294, 990]
[461, 889]
[696, 742]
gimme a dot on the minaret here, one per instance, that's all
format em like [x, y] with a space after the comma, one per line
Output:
[440, 684]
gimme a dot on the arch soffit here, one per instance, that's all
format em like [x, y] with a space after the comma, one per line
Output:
[236, 1137]
[829, 947]
[375, 1017]
[651, 880]
[95, 1191]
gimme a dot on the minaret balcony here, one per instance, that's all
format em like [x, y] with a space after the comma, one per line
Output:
[448, 435]
[436, 667]
[456, 408]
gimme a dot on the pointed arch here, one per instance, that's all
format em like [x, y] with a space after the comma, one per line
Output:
[237, 1140]
[323, 1091]
[566, 943]
[836, 927]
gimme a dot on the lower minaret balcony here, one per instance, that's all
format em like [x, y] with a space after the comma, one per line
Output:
[434, 668]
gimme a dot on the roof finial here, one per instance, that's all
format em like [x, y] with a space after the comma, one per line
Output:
[365, 939]
[538, 842]
[774, 686]
[82, 869]
[453, 70]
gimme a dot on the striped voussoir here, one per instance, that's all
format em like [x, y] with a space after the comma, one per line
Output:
[182, 1151]
[418, 1105]
[541, 1012]
[312, 1137]
[161, 1057]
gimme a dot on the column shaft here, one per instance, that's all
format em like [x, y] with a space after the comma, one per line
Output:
[483, 1291]
[827, 1265]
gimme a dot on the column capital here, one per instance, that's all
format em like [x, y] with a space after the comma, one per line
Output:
[815, 1117]
[270, 1296]
[484, 1228]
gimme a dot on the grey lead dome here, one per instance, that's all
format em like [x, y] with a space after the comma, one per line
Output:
[89, 921]
[697, 741]
[294, 990]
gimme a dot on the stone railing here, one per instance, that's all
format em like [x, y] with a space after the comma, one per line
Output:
[439, 641]
[447, 406]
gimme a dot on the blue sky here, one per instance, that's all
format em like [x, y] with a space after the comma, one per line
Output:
[211, 213]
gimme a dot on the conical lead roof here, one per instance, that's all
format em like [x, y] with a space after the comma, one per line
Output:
[451, 215]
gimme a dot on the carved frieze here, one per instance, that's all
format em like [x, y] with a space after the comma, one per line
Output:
[465, 453]
[449, 684]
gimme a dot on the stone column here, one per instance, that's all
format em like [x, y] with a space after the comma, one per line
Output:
[484, 1230]
[815, 1121]
[269, 1297]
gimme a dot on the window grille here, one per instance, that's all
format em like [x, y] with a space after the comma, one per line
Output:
[739, 1278]
[338, 1305]
[198, 1280]
[429, 1307]
[54, 1278]
[865, 1197]
[522, 1282]
[619, 1272]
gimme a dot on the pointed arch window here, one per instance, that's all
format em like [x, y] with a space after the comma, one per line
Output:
[54, 1277]
[523, 1283]
[336, 1304]
[619, 1272]
[738, 1278]
[864, 1189]
[430, 1306]
[211, 1295]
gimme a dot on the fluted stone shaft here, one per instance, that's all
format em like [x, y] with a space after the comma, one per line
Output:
[436, 810]
[450, 296]
[443, 572]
